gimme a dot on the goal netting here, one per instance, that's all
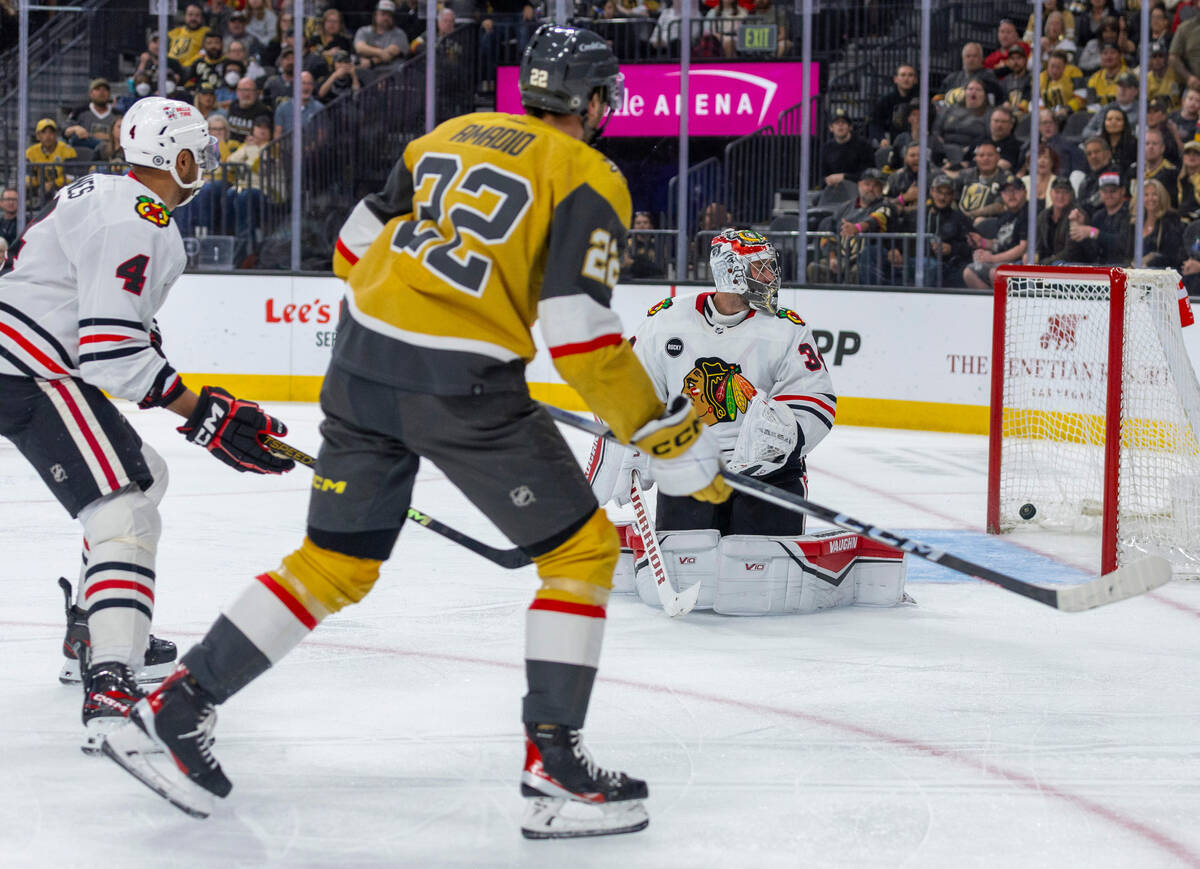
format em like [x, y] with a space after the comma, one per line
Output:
[1095, 409]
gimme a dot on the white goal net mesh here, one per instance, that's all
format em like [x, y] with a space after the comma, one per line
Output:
[1055, 377]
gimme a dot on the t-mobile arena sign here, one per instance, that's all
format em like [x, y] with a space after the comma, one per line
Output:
[727, 99]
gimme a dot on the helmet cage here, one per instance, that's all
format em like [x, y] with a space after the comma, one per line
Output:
[731, 256]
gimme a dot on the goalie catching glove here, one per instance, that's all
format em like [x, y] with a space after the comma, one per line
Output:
[684, 455]
[766, 440]
[230, 428]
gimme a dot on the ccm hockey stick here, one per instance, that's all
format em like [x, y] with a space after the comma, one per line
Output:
[674, 603]
[509, 559]
[1124, 582]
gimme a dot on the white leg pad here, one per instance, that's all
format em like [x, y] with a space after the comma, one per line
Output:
[690, 557]
[879, 574]
[623, 581]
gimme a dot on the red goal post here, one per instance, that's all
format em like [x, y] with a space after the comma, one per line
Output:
[1094, 411]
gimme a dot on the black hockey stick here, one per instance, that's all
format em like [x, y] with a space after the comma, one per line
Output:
[1124, 582]
[509, 559]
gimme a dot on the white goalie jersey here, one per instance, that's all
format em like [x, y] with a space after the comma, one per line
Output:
[90, 274]
[725, 362]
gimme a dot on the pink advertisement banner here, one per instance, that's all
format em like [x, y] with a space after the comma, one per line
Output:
[727, 99]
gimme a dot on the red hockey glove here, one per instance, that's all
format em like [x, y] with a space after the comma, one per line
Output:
[230, 428]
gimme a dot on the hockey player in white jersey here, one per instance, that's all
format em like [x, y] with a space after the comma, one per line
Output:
[754, 373]
[76, 321]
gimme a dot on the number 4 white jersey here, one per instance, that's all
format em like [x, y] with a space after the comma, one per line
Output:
[721, 362]
[91, 272]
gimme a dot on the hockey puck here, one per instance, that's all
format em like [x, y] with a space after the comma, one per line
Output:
[1027, 511]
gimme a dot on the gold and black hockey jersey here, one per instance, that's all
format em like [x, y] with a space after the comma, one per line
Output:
[487, 224]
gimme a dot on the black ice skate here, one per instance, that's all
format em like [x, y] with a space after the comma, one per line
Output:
[109, 692]
[77, 644]
[569, 795]
[176, 720]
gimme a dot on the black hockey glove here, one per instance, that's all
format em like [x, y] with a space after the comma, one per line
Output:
[229, 429]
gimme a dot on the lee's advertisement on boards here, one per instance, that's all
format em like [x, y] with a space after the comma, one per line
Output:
[905, 360]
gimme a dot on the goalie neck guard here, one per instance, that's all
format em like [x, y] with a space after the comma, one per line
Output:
[744, 262]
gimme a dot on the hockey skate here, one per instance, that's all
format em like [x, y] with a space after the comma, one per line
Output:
[568, 795]
[109, 692]
[167, 745]
[160, 653]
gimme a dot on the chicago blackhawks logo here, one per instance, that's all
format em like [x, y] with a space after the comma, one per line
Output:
[155, 212]
[654, 309]
[790, 316]
[718, 390]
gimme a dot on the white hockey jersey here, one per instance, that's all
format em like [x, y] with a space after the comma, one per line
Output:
[90, 274]
[721, 361]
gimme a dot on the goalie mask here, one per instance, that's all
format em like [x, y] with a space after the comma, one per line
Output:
[156, 129]
[744, 262]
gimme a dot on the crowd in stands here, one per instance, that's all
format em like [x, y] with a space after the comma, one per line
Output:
[1086, 107]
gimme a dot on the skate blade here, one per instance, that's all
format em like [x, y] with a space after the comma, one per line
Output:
[129, 748]
[558, 818]
[69, 675]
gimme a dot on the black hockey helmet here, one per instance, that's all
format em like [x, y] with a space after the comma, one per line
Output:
[564, 66]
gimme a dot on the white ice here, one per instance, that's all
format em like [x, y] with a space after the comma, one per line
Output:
[975, 729]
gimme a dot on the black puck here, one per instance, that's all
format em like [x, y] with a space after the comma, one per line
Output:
[1027, 511]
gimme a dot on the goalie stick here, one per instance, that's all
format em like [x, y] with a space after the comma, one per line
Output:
[509, 559]
[1124, 582]
[674, 603]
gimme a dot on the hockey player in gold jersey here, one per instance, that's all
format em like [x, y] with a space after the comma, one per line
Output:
[485, 225]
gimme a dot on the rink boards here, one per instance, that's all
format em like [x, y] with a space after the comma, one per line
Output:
[898, 359]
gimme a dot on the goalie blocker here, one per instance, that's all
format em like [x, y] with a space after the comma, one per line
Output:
[750, 575]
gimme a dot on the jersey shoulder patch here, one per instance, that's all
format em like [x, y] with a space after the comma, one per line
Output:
[150, 209]
[658, 306]
[791, 316]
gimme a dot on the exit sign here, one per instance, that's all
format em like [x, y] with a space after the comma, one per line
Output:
[755, 38]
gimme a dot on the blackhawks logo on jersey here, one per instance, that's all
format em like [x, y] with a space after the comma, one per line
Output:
[655, 308]
[152, 210]
[789, 315]
[718, 390]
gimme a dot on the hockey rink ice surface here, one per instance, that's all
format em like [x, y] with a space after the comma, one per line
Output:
[977, 728]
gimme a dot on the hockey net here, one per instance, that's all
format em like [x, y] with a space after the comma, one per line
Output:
[1095, 409]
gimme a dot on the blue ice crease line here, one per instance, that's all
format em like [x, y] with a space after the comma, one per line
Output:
[989, 551]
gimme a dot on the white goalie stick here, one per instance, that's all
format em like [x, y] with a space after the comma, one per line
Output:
[1125, 582]
[674, 603]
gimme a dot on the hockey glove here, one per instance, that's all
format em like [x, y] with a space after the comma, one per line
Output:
[229, 429]
[684, 456]
[766, 439]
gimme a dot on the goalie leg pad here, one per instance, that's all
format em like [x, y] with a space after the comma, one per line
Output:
[760, 575]
[689, 557]
[879, 574]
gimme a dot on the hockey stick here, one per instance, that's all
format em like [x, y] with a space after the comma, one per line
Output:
[509, 559]
[674, 603]
[1124, 582]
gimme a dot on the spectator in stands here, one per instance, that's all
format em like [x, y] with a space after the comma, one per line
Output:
[1070, 158]
[1189, 182]
[767, 12]
[247, 65]
[48, 150]
[954, 86]
[333, 36]
[845, 155]
[1185, 52]
[901, 185]
[408, 18]
[285, 38]
[308, 106]
[642, 257]
[140, 86]
[9, 203]
[1050, 9]
[1056, 36]
[1126, 101]
[1098, 154]
[148, 61]
[949, 232]
[235, 71]
[343, 79]
[723, 22]
[99, 108]
[1156, 119]
[1010, 242]
[1001, 124]
[1060, 80]
[1118, 130]
[237, 31]
[1007, 36]
[245, 109]
[1019, 81]
[980, 187]
[1089, 58]
[1158, 167]
[1162, 230]
[207, 67]
[381, 45]
[621, 37]
[185, 41]
[1053, 224]
[1048, 169]
[851, 256]
[245, 201]
[260, 20]
[966, 124]
[663, 36]
[1102, 86]
[1186, 121]
[887, 120]
[1160, 28]
[1102, 237]
[1161, 80]
[281, 84]
[664, 39]
[912, 133]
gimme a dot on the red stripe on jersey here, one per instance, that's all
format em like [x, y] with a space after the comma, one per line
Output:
[32, 350]
[96, 339]
[586, 346]
[109, 475]
[816, 401]
[700, 300]
[119, 583]
[285, 597]
[346, 252]
[562, 606]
